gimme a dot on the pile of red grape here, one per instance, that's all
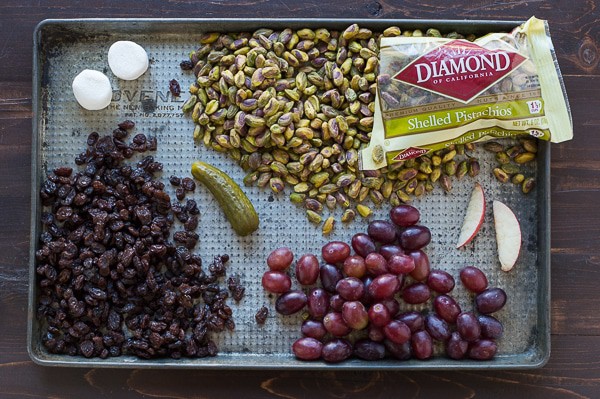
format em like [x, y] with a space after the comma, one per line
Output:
[356, 309]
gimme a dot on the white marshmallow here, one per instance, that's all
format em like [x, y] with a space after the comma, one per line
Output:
[127, 60]
[92, 90]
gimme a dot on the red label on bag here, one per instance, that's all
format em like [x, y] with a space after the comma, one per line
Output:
[459, 69]
[411, 152]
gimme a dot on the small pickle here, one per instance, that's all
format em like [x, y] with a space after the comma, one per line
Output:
[235, 204]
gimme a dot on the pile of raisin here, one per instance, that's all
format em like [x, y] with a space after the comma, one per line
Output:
[110, 280]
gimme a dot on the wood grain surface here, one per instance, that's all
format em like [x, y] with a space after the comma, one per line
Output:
[574, 367]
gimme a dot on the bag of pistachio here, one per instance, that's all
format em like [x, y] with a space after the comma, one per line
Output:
[434, 92]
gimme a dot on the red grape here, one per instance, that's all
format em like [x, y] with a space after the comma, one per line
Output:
[382, 231]
[355, 315]
[369, 350]
[376, 264]
[490, 300]
[392, 306]
[399, 351]
[307, 348]
[390, 250]
[335, 252]
[384, 286]
[290, 302]
[276, 282]
[363, 245]
[416, 293]
[317, 303]
[413, 319]
[336, 302]
[473, 279]
[379, 315]
[437, 327]
[336, 350]
[397, 332]
[484, 349]
[422, 345]
[307, 269]
[330, 275]
[405, 215]
[280, 259]
[456, 347]
[490, 327]
[468, 327]
[375, 333]
[440, 281]
[354, 266]
[422, 267]
[415, 237]
[367, 298]
[350, 288]
[401, 264]
[334, 324]
[446, 307]
[313, 329]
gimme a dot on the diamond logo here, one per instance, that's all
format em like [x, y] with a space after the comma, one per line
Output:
[459, 69]
[410, 152]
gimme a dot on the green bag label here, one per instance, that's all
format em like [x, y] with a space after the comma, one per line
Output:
[433, 92]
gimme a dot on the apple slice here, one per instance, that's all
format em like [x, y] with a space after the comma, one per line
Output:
[473, 218]
[508, 235]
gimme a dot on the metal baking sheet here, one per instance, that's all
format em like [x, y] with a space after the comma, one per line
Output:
[65, 47]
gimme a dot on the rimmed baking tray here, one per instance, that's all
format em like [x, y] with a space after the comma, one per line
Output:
[62, 48]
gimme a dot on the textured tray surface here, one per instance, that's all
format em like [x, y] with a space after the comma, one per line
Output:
[64, 126]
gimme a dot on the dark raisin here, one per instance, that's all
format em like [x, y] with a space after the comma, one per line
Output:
[192, 207]
[175, 181]
[47, 218]
[63, 171]
[180, 193]
[188, 184]
[261, 315]
[192, 223]
[119, 133]
[139, 139]
[186, 65]
[92, 139]
[127, 124]
[87, 348]
[152, 143]
[174, 88]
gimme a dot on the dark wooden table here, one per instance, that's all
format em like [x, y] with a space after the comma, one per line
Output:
[574, 367]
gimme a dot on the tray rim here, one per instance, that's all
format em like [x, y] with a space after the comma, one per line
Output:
[543, 198]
